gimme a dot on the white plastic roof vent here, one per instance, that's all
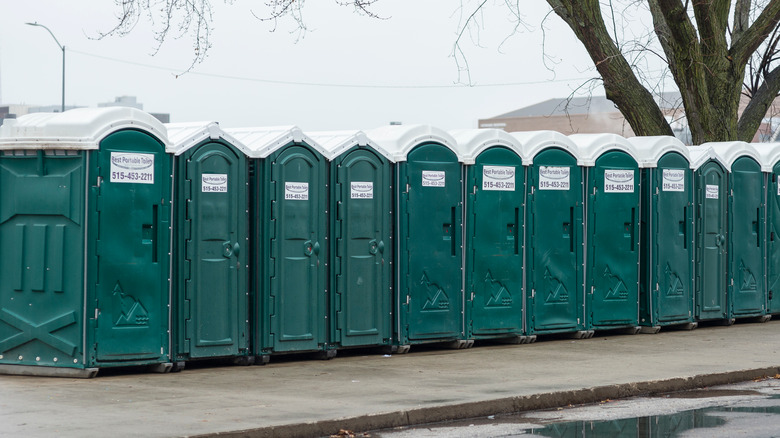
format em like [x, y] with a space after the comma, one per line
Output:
[263, 141]
[338, 142]
[727, 152]
[399, 140]
[650, 149]
[473, 142]
[80, 128]
[187, 135]
[592, 146]
[534, 142]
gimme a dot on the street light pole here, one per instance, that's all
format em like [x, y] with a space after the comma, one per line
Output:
[63, 59]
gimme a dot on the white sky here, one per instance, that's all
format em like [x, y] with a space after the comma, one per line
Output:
[410, 49]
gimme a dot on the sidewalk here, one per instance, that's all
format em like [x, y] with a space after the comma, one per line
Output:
[363, 392]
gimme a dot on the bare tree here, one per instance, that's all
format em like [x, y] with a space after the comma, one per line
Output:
[715, 50]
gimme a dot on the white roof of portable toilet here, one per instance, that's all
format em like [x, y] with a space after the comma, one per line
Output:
[592, 146]
[727, 152]
[399, 140]
[473, 142]
[700, 155]
[770, 155]
[263, 141]
[187, 135]
[651, 149]
[80, 128]
[534, 142]
[338, 142]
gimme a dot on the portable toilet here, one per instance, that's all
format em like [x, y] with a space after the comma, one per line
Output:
[85, 208]
[554, 233]
[361, 246]
[612, 237]
[667, 245]
[429, 235]
[211, 244]
[494, 245]
[770, 154]
[711, 262]
[746, 217]
[288, 225]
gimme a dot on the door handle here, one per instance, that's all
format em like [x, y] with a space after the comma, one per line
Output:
[373, 247]
[308, 248]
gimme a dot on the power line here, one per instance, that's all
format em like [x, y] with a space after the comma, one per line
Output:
[178, 72]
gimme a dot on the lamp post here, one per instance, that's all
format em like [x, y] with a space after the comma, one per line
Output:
[63, 59]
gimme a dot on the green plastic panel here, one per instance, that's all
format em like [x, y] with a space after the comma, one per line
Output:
[132, 248]
[668, 248]
[494, 256]
[292, 251]
[746, 252]
[613, 242]
[212, 243]
[362, 249]
[554, 281]
[42, 254]
[711, 242]
[773, 242]
[430, 272]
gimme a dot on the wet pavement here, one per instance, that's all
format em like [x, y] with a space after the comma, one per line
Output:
[363, 391]
[749, 409]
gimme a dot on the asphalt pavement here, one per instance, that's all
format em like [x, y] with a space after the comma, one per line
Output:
[361, 391]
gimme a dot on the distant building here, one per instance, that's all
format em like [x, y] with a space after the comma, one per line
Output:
[596, 114]
[12, 111]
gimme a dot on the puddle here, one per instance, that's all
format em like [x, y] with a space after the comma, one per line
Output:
[707, 393]
[658, 425]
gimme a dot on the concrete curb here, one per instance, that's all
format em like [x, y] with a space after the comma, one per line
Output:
[505, 405]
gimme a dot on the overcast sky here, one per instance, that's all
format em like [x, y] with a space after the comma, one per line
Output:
[398, 69]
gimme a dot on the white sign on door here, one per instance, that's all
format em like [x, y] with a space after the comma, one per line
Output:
[361, 190]
[554, 177]
[711, 191]
[498, 178]
[128, 167]
[433, 178]
[296, 191]
[619, 181]
[673, 180]
[214, 183]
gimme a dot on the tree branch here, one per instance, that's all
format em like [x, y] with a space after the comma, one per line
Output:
[743, 46]
[622, 87]
[755, 111]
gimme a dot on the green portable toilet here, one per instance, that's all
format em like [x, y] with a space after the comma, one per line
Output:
[288, 225]
[85, 207]
[746, 216]
[554, 233]
[494, 211]
[710, 184]
[770, 155]
[211, 243]
[667, 246]
[612, 237]
[429, 235]
[361, 246]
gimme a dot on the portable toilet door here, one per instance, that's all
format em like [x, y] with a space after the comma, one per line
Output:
[290, 236]
[211, 295]
[429, 285]
[612, 242]
[746, 212]
[667, 240]
[711, 200]
[554, 266]
[361, 245]
[85, 200]
[771, 165]
[494, 211]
